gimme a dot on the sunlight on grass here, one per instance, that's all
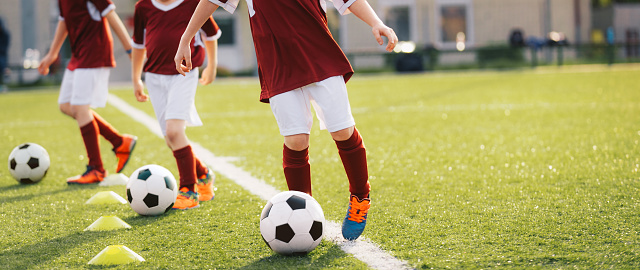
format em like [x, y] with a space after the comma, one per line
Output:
[468, 170]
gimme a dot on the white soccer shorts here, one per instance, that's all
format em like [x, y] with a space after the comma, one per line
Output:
[85, 86]
[172, 97]
[329, 99]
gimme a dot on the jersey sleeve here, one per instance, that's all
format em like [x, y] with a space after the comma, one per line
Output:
[228, 5]
[104, 6]
[211, 29]
[342, 5]
[139, 26]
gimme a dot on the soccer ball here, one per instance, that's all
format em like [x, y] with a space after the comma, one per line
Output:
[292, 223]
[29, 163]
[151, 190]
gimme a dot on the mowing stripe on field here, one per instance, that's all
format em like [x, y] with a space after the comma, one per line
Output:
[362, 249]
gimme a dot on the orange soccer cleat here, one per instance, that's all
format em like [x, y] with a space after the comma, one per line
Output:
[186, 199]
[90, 176]
[123, 152]
[205, 186]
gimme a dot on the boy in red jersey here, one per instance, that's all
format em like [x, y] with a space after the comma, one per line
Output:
[85, 81]
[299, 63]
[158, 26]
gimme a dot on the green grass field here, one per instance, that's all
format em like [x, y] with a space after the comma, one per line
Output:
[523, 169]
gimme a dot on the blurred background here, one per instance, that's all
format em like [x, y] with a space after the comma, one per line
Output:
[434, 35]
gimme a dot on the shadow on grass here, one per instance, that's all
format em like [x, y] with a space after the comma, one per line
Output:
[39, 255]
[31, 195]
[276, 261]
[140, 220]
[24, 197]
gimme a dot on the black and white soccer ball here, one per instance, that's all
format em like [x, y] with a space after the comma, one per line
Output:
[292, 223]
[151, 190]
[29, 163]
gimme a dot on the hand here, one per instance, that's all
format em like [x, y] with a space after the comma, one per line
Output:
[208, 75]
[380, 30]
[45, 63]
[138, 91]
[183, 53]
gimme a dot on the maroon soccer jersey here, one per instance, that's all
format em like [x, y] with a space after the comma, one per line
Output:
[89, 35]
[293, 44]
[158, 28]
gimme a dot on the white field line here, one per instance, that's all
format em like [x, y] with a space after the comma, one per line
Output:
[362, 249]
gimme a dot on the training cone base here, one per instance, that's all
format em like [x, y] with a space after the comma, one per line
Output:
[106, 197]
[116, 254]
[107, 223]
[117, 179]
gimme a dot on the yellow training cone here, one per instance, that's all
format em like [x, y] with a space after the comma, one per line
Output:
[107, 223]
[106, 197]
[117, 254]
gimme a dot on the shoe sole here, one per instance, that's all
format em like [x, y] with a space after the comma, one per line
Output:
[133, 145]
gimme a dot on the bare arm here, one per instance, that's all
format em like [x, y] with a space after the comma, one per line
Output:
[54, 50]
[209, 73]
[364, 12]
[202, 13]
[137, 61]
[119, 29]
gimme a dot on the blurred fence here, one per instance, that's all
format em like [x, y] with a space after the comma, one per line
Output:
[494, 57]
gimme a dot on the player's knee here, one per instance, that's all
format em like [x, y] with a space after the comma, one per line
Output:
[343, 134]
[66, 109]
[297, 142]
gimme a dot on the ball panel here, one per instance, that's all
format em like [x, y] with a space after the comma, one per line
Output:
[317, 230]
[12, 164]
[267, 230]
[280, 213]
[22, 171]
[266, 210]
[144, 174]
[138, 189]
[167, 197]
[284, 233]
[150, 200]
[315, 210]
[155, 184]
[27, 181]
[301, 242]
[296, 202]
[169, 182]
[280, 247]
[22, 156]
[300, 221]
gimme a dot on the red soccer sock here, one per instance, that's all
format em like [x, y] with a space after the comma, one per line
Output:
[92, 144]
[186, 167]
[297, 170]
[107, 131]
[201, 169]
[354, 160]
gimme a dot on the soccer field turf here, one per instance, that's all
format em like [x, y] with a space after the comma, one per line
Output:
[468, 170]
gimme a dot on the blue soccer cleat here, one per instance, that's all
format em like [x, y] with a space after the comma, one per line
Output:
[356, 219]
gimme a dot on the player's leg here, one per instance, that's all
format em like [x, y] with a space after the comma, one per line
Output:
[332, 107]
[123, 144]
[293, 114]
[76, 96]
[89, 130]
[180, 112]
[185, 160]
